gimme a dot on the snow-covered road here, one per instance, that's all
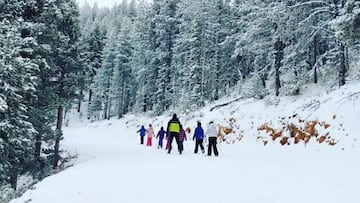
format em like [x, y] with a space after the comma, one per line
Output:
[113, 167]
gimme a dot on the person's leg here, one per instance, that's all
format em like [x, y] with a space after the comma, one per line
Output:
[209, 147]
[177, 141]
[196, 146]
[212, 140]
[171, 136]
[202, 146]
[167, 142]
[181, 147]
[215, 148]
[141, 139]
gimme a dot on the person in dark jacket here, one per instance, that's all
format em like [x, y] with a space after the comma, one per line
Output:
[142, 132]
[161, 135]
[182, 137]
[199, 137]
[173, 130]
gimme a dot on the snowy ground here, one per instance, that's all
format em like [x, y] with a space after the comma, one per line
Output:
[113, 167]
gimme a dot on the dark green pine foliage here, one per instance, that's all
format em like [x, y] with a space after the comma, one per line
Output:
[92, 54]
[221, 71]
[122, 82]
[145, 58]
[102, 83]
[348, 26]
[207, 49]
[40, 109]
[66, 73]
[165, 30]
[25, 17]
[327, 48]
[196, 69]
[17, 81]
[189, 54]
[229, 75]
[140, 61]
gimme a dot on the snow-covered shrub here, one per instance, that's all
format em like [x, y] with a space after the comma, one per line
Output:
[6, 194]
[253, 88]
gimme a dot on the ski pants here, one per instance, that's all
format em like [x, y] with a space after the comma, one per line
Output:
[197, 144]
[171, 137]
[212, 144]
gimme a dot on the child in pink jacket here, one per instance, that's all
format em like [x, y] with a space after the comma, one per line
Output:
[150, 134]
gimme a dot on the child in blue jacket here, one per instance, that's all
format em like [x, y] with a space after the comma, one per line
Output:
[142, 132]
[199, 137]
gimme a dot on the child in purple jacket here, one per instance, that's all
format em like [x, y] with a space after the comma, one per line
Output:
[161, 135]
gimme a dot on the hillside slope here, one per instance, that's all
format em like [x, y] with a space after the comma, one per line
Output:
[113, 167]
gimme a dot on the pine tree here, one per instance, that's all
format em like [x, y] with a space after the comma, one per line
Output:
[93, 49]
[229, 73]
[121, 85]
[144, 59]
[202, 49]
[103, 81]
[17, 75]
[165, 29]
[143, 53]
[66, 72]
[27, 16]
[40, 107]
[347, 25]
[326, 47]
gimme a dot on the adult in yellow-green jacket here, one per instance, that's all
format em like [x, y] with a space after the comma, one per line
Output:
[173, 130]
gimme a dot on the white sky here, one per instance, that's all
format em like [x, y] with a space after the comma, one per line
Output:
[101, 3]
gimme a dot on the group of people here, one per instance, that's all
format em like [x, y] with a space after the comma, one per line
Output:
[176, 131]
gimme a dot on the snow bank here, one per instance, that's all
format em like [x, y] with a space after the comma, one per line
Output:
[113, 167]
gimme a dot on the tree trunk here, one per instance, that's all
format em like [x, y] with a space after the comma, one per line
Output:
[37, 145]
[347, 65]
[342, 68]
[144, 104]
[90, 95]
[297, 90]
[217, 67]
[263, 81]
[89, 102]
[279, 54]
[106, 106]
[122, 104]
[13, 177]
[107, 100]
[14, 170]
[277, 80]
[79, 107]
[315, 52]
[109, 109]
[60, 117]
[79, 104]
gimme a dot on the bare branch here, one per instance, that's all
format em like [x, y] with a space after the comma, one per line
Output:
[310, 3]
[315, 13]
